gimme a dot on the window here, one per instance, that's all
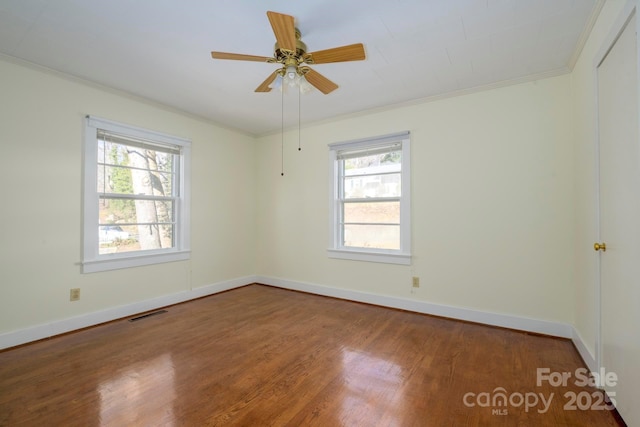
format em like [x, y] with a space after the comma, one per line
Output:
[370, 206]
[136, 197]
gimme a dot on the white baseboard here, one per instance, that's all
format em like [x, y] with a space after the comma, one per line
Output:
[584, 351]
[558, 329]
[46, 330]
[545, 327]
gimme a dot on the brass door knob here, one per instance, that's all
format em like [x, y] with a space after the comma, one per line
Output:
[600, 247]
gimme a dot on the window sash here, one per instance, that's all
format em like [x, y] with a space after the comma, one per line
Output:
[371, 202]
[103, 165]
[344, 200]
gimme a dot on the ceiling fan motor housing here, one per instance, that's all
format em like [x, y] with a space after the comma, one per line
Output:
[282, 55]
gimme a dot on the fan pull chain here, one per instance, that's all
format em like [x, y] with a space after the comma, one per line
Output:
[282, 133]
[299, 109]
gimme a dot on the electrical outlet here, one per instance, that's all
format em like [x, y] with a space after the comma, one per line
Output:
[74, 294]
[416, 282]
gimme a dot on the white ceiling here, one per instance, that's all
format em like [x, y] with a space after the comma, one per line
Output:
[160, 49]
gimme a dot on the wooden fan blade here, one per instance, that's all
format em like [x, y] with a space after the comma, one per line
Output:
[239, 57]
[352, 52]
[320, 82]
[264, 86]
[284, 30]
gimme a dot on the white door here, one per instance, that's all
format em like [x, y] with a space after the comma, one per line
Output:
[620, 220]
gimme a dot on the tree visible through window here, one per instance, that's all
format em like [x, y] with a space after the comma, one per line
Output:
[137, 192]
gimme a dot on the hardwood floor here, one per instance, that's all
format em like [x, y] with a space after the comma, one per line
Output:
[266, 356]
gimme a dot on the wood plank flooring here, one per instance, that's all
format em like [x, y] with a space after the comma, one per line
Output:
[263, 356]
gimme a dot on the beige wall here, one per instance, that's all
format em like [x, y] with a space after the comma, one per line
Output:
[492, 203]
[41, 125]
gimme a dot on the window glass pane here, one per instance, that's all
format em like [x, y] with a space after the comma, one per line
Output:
[390, 160]
[110, 153]
[380, 212]
[365, 186]
[114, 179]
[115, 238]
[150, 159]
[124, 169]
[121, 180]
[372, 236]
[112, 211]
[155, 236]
[150, 211]
[151, 183]
[135, 211]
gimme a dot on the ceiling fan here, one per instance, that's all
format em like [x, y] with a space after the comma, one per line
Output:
[292, 53]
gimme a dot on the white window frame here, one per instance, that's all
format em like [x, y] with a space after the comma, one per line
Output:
[92, 260]
[391, 256]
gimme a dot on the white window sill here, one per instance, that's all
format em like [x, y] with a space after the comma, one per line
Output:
[116, 263]
[370, 256]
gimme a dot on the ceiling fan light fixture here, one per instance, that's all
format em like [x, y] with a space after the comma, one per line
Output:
[291, 76]
[276, 83]
[292, 73]
[305, 86]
